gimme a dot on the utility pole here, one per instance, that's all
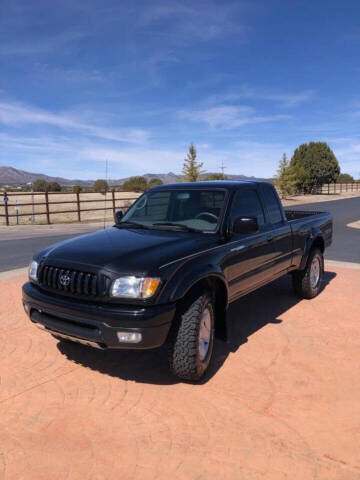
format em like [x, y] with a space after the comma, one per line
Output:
[222, 168]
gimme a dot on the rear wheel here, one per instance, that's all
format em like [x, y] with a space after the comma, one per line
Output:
[191, 340]
[307, 282]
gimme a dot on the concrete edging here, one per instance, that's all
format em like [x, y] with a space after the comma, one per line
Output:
[335, 263]
[13, 273]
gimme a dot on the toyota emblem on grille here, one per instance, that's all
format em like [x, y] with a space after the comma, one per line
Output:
[65, 280]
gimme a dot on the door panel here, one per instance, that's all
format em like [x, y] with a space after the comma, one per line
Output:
[248, 263]
[249, 256]
[280, 235]
[282, 247]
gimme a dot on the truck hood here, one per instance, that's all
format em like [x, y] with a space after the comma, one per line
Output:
[127, 251]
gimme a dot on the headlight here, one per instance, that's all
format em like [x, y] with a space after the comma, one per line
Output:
[135, 287]
[33, 270]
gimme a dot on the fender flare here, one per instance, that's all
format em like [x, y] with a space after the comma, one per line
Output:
[316, 238]
[185, 279]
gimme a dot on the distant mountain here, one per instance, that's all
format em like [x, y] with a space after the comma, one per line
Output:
[13, 176]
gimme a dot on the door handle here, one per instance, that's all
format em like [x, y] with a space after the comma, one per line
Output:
[270, 239]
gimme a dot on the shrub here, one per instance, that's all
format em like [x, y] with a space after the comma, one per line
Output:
[100, 186]
[135, 184]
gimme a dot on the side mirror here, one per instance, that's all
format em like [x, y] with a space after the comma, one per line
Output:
[118, 215]
[245, 225]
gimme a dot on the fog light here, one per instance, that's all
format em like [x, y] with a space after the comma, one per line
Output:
[129, 337]
[26, 308]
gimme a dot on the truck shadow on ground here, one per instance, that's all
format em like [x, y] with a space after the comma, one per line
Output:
[245, 317]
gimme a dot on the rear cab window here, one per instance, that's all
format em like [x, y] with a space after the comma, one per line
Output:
[272, 205]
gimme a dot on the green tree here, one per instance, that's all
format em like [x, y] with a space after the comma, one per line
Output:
[54, 187]
[286, 177]
[100, 186]
[77, 189]
[191, 168]
[216, 176]
[316, 164]
[135, 184]
[40, 185]
[154, 182]
[345, 178]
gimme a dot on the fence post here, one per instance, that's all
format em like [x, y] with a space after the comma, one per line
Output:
[113, 200]
[78, 205]
[328, 188]
[47, 207]
[7, 213]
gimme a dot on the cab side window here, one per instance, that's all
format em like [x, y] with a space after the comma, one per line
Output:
[272, 205]
[246, 203]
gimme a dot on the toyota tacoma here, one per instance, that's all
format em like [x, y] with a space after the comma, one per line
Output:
[166, 272]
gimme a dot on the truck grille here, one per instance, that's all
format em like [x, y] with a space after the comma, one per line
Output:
[71, 281]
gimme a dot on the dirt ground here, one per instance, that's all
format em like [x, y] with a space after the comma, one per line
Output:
[98, 200]
[281, 400]
[300, 199]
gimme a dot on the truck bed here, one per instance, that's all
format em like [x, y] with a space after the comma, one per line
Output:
[297, 214]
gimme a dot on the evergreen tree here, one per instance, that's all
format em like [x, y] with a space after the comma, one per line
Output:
[316, 164]
[286, 177]
[191, 168]
[345, 178]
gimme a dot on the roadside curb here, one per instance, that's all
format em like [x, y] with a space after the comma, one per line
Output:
[13, 273]
[335, 263]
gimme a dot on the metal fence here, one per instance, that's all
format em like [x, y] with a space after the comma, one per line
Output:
[16, 205]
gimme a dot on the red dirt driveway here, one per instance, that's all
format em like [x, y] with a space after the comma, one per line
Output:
[282, 400]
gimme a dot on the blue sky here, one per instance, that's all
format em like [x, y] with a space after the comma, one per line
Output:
[134, 82]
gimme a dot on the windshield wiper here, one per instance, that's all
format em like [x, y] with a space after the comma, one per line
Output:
[177, 225]
[130, 225]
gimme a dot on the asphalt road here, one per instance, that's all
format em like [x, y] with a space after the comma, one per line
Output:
[346, 240]
[16, 253]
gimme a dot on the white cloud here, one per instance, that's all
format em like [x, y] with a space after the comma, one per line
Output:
[227, 116]
[285, 99]
[194, 21]
[50, 43]
[16, 115]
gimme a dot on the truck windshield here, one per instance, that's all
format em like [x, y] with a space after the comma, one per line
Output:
[192, 210]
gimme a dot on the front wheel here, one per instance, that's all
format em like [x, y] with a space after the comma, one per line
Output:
[191, 341]
[307, 283]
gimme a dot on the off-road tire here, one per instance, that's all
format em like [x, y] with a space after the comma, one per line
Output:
[183, 341]
[302, 279]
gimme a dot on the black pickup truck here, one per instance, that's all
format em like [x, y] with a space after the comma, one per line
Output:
[167, 270]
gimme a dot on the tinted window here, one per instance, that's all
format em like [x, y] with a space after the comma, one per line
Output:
[272, 204]
[195, 208]
[154, 208]
[246, 203]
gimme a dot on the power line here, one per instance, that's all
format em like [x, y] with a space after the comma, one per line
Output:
[222, 167]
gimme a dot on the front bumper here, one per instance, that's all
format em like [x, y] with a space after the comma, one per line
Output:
[97, 325]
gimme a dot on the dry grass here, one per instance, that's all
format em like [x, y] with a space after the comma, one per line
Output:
[98, 200]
